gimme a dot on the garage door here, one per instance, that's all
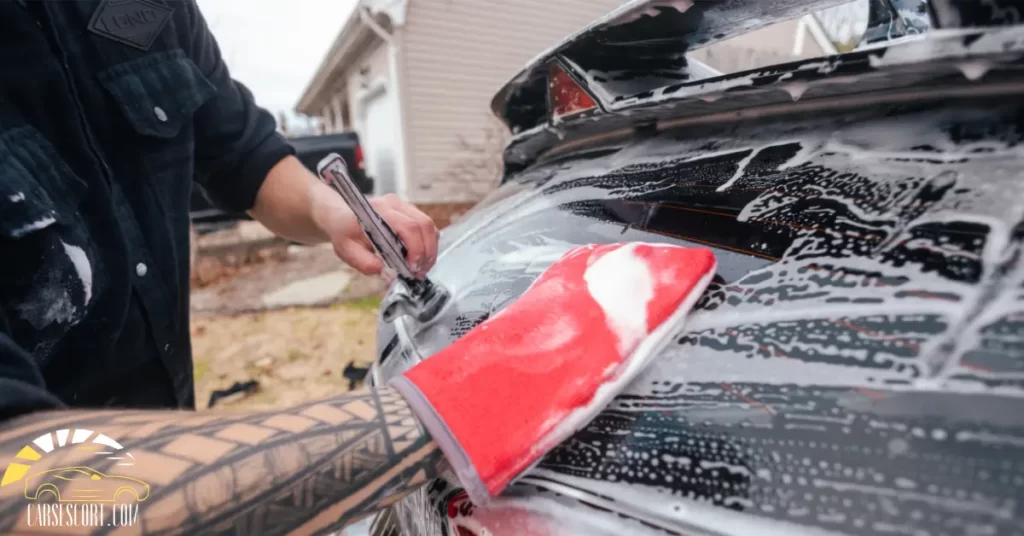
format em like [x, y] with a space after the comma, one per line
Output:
[378, 138]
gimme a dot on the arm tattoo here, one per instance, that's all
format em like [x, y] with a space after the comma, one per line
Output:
[306, 470]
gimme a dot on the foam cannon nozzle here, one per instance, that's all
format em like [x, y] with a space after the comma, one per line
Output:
[424, 299]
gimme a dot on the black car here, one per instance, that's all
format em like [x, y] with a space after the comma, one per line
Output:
[309, 150]
[857, 366]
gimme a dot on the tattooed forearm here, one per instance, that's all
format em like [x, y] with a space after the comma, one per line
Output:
[310, 469]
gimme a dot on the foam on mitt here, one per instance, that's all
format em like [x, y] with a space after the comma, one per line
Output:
[525, 380]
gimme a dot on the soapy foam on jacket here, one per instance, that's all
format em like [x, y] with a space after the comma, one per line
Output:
[37, 225]
[82, 267]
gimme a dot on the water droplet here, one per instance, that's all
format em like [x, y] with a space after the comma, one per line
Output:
[898, 446]
[973, 70]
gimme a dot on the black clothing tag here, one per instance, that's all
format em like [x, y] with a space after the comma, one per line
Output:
[135, 23]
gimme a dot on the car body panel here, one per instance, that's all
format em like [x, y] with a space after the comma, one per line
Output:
[944, 62]
[857, 363]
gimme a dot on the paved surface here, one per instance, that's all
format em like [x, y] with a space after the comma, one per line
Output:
[319, 290]
[305, 276]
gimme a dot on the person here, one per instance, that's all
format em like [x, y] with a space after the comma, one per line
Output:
[108, 112]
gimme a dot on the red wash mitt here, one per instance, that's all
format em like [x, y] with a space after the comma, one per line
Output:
[525, 380]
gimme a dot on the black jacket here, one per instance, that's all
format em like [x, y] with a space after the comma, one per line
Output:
[108, 112]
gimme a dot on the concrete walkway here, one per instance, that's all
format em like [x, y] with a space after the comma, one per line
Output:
[303, 277]
[319, 290]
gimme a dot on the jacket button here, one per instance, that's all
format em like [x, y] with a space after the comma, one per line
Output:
[141, 269]
[161, 115]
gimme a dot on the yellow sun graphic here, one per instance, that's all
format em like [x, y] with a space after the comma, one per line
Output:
[101, 444]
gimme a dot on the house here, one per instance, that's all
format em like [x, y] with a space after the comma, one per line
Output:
[415, 78]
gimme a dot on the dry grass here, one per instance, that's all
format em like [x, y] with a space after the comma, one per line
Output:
[295, 354]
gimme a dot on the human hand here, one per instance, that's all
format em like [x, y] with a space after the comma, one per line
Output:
[416, 230]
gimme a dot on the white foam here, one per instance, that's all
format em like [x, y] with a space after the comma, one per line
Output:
[731, 468]
[681, 460]
[656, 506]
[974, 69]
[82, 266]
[975, 505]
[649, 8]
[34, 226]
[796, 89]
[712, 87]
[989, 438]
[741, 168]
[535, 259]
[622, 285]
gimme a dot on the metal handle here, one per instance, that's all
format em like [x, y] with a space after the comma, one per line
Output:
[334, 172]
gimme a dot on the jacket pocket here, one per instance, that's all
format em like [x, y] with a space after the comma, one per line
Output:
[50, 270]
[158, 93]
[37, 189]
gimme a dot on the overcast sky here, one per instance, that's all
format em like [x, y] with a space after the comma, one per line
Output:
[273, 46]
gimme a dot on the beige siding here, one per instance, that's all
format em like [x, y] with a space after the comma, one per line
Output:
[455, 55]
[368, 69]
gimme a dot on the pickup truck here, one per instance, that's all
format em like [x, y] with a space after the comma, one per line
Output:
[309, 150]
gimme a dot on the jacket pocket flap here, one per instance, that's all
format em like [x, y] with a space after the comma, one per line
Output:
[158, 93]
